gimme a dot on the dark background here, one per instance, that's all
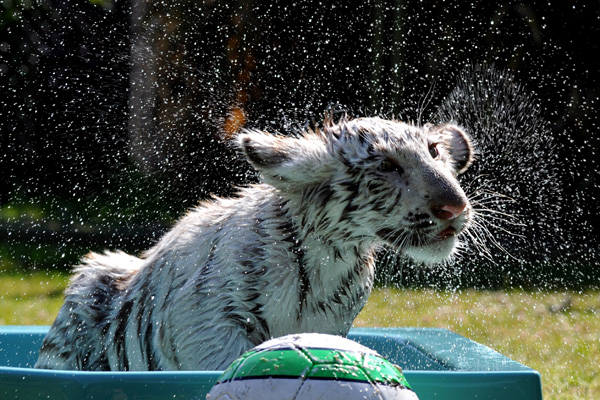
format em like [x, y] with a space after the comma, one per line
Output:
[114, 115]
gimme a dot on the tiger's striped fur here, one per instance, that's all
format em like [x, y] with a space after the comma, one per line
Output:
[292, 254]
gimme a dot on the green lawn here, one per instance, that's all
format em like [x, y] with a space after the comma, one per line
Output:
[557, 334]
[32, 298]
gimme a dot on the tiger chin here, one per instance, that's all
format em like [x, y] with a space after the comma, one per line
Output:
[295, 253]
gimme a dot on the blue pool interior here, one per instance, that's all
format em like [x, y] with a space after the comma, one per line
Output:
[438, 364]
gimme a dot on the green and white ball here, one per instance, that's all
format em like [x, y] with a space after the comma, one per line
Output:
[311, 366]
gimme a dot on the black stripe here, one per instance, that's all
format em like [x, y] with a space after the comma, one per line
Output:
[396, 201]
[120, 336]
[304, 283]
[148, 341]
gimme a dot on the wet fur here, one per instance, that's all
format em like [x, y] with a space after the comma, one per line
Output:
[292, 254]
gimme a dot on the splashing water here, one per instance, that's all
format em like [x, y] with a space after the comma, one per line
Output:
[516, 186]
[219, 66]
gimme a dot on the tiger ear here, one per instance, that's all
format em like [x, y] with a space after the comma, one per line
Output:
[459, 145]
[264, 150]
[287, 161]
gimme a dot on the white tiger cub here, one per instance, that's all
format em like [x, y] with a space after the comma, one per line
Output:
[293, 254]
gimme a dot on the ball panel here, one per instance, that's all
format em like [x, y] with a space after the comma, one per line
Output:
[382, 371]
[338, 372]
[274, 363]
[230, 372]
[327, 356]
[313, 389]
[255, 389]
[351, 390]
[396, 393]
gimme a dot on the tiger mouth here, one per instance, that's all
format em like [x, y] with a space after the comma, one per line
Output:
[415, 238]
[447, 233]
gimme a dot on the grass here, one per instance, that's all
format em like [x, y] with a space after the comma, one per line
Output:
[31, 299]
[556, 333]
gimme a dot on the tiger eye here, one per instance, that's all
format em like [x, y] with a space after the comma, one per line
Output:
[433, 151]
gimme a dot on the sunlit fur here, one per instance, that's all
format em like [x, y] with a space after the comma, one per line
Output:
[292, 254]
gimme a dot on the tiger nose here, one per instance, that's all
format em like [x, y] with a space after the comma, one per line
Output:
[448, 212]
